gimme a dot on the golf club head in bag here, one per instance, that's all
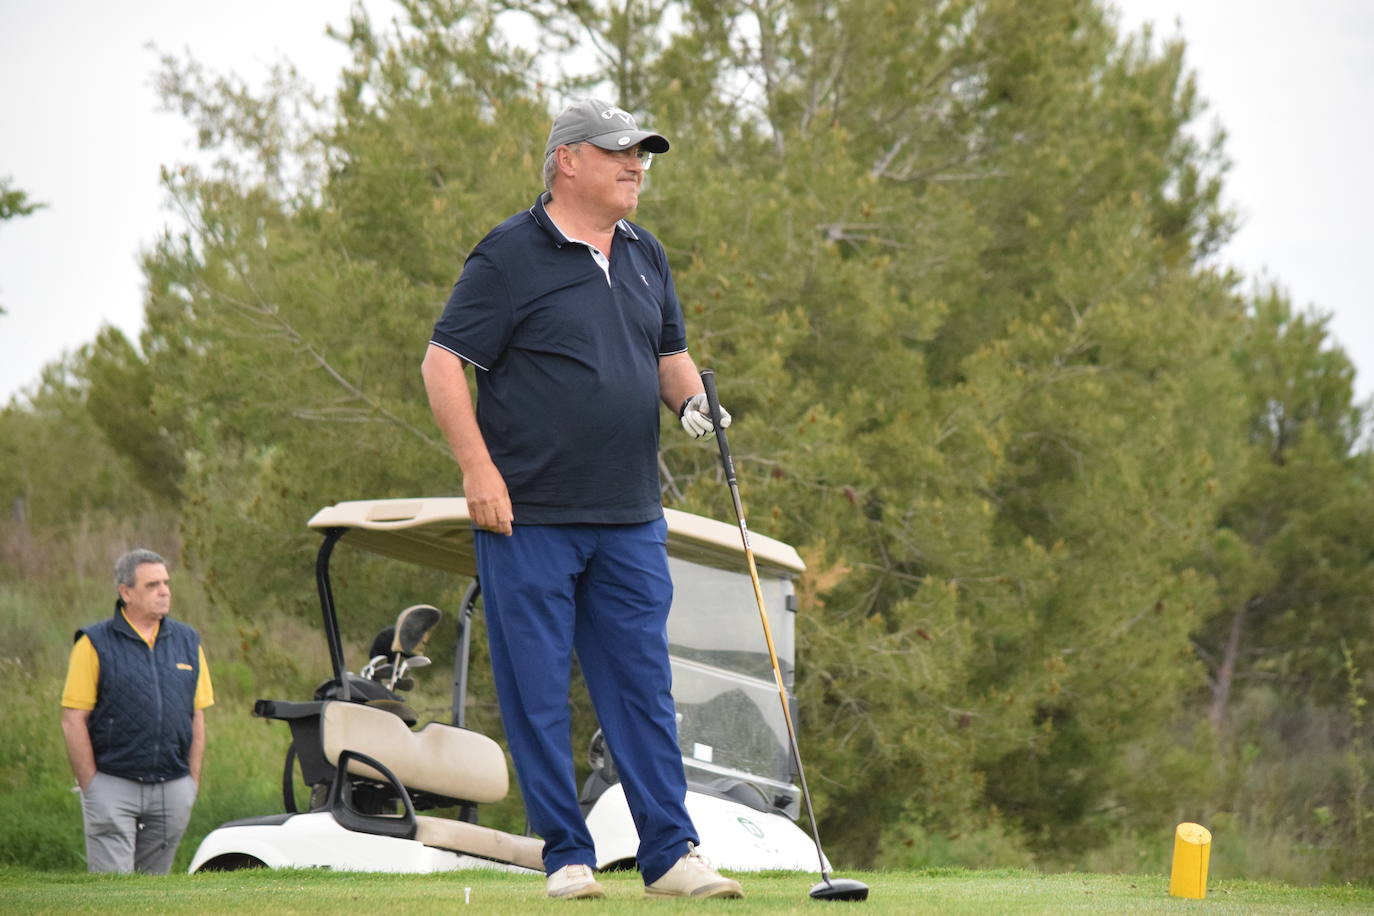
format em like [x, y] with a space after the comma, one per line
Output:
[381, 643]
[372, 671]
[400, 679]
[413, 626]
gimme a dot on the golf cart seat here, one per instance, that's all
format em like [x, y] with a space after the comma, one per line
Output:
[454, 762]
[440, 759]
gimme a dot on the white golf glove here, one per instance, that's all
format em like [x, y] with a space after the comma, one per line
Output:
[696, 417]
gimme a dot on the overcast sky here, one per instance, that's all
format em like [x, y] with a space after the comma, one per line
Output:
[81, 130]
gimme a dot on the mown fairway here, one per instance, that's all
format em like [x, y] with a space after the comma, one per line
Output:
[937, 891]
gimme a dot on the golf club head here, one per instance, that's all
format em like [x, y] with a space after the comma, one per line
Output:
[412, 626]
[846, 889]
[417, 661]
[381, 643]
[404, 683]
[370, 669]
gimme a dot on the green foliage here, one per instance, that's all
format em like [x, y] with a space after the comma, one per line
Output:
[120, 401]
[1293, 552]
[1317, 804]
[14, 202]
[57, 472]
[33, 764]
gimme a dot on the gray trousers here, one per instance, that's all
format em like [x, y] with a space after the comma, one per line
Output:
[135, 825]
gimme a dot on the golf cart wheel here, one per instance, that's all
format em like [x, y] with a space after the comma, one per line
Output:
[232, 861]
[289, 779]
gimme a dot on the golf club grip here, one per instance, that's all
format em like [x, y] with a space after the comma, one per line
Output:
[708, 381]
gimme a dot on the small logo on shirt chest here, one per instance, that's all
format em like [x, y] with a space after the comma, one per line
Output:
[643, 280]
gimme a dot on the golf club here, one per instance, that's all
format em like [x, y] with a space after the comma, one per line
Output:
[398, 678]
[829, 888]
[372, 670]
[412, 628]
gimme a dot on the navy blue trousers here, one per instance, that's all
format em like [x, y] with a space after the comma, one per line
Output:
[604, 592]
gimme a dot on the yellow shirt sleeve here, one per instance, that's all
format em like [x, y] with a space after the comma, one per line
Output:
[83, 676]
[205, 691]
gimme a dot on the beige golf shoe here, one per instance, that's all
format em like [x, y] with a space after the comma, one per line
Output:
[692, 876]
[575, 882]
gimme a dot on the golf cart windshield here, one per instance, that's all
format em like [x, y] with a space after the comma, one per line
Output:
[730, 725]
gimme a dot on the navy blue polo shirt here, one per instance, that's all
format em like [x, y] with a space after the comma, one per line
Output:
[568, 390]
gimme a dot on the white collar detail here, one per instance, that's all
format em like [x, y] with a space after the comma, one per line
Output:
[601, 260]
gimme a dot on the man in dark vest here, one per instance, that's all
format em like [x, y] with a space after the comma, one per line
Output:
[133, 715]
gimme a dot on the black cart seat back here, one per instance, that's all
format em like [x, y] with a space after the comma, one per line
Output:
[437, 758]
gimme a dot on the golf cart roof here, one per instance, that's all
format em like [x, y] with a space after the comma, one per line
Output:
[437, 532]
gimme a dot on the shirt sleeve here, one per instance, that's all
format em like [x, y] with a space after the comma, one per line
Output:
[477, 321]
[83, 676]
[673, 337]
[205, 691]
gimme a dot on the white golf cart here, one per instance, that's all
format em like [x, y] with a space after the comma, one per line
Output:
[734, 741]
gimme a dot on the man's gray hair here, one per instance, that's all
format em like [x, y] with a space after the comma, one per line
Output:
[551, 164]
[126, 567]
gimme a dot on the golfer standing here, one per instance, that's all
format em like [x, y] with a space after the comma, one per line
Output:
[568, 312]
[134, 721]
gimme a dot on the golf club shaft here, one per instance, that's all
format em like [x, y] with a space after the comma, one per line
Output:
[708, 381]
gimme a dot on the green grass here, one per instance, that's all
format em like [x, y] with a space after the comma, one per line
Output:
[932, 891]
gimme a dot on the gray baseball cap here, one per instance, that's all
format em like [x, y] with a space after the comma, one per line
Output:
[601, 124]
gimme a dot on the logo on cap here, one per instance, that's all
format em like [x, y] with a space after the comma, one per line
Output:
[618, 113]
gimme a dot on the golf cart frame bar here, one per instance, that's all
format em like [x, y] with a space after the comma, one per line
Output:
[331, 618]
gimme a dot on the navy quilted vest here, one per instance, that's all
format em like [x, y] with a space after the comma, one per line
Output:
[141, 725]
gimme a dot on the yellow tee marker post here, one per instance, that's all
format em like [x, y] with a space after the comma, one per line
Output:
[1192, 849]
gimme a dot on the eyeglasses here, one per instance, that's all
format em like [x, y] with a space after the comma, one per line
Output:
[645, 157]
